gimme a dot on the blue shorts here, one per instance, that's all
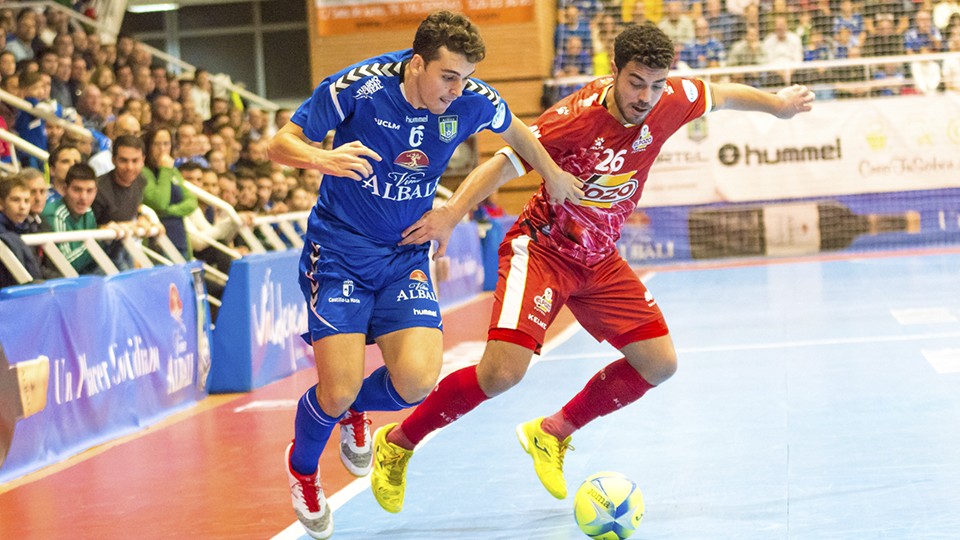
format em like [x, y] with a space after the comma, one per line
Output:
[350, 292]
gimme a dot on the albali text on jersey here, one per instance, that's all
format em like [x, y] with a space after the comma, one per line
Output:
[365, 103]
[612, 159]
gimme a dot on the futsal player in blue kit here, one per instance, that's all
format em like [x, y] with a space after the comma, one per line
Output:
[397, 120]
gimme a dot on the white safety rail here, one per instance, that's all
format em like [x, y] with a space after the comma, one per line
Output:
[22, 145]
[45, 114]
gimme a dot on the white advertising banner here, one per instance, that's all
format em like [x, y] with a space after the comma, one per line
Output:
[842, 147]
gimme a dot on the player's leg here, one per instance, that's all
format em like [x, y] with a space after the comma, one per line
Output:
[615, 307]
[510, 346]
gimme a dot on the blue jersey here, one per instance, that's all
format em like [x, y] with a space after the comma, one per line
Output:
[364, 102]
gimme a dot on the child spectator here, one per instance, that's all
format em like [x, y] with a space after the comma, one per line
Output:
[14, 211]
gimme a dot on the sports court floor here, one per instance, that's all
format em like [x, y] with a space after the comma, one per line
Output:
[816, 399]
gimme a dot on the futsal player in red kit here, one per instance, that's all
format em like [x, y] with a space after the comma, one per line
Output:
[608, 134]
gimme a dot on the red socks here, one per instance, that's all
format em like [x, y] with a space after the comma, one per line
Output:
[456, 395]
[616, 385]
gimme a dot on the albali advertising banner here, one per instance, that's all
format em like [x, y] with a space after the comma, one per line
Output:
[792, 227]
[842, 147]
[353, 16]
[85, 360]
[258, 340]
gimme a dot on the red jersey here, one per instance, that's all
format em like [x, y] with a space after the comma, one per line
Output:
[612, 159]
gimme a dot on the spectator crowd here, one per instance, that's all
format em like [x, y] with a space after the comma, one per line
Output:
[772, 33]
[152, 131]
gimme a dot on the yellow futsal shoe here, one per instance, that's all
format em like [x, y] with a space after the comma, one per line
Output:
[547, 452]
[389, 476]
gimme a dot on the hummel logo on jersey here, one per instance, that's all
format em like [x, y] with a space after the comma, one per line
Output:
[369, 88]
[413, 160]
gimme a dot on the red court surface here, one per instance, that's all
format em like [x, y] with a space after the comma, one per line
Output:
[211, 472]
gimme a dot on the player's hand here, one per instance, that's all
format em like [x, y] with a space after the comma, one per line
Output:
[349, 160]
[564, 187]
[437, 224]
[796, 99]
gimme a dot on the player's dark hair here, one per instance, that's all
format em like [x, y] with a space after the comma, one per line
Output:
[80, 171]
[645, 44]
[451, 30]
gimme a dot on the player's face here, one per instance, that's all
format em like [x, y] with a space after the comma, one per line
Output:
[439, 82]
[636, 90]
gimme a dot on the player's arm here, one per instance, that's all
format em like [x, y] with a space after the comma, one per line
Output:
[438, 224]
[739, 97]
[561, 185]
[290, 146]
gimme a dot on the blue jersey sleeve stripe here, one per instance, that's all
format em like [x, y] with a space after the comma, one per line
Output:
[336, 102]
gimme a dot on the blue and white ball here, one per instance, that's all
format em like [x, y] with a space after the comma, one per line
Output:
[608, 506]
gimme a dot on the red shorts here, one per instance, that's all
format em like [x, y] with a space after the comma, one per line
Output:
[534, 282]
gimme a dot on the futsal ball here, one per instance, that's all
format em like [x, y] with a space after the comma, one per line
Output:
[608, 506]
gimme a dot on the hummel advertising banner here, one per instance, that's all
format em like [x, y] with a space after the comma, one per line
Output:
[85, 360]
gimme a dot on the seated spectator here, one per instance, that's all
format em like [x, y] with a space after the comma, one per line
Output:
[748, 51]
[923, 35]
[264, 184]
[36, 90]
[726, 27]
[206, 221]
[311, 178]
[227, 182]
[38, 198]
[891, 73]
[675, 24]
[61, 159]
[782, 46]
[74, 212]
[951, 66]
[120, 193]
[572, 59]
[488, 209]
[186, 147]
[899, 13]
[850, 20]
[842, 42]
[885, 41]
[164, 191]
[21, 43]
[703, 51]
[246, 191]
[14, 211]
[217, 161]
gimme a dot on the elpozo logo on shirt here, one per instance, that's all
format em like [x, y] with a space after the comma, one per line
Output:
[448, 127]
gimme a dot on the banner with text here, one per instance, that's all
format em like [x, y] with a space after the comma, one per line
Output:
[792, 227]
[840, 148]
[88, 359]
[352, 16]
[257, 337]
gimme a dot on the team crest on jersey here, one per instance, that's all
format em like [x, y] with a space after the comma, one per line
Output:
[369, 88]
[348, 287]
[544, 302]
[418, 275]
[413, 160]
[605, 190]
[643, 140]
[448, 127]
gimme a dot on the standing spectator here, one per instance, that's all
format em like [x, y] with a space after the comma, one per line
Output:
[675, 24]
[36, 90]
[703, 51]
[164, 191]
[14, 212]
[849, 19]
[898, 11]
[74, 213]
[843, 41]
[201, 94]
[120, 192]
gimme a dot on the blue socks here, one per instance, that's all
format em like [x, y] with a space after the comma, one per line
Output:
[378, 394]
[312, 429]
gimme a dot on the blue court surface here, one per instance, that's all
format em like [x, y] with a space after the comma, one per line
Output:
[817, 399]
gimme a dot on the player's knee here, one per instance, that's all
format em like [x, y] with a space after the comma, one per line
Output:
[660, 368]
[336, 400]
[499, 377]
[414, 387]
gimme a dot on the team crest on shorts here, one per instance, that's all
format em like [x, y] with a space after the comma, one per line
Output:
[544, 302]
[418, 275]
[348, 287]
[448, 127]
